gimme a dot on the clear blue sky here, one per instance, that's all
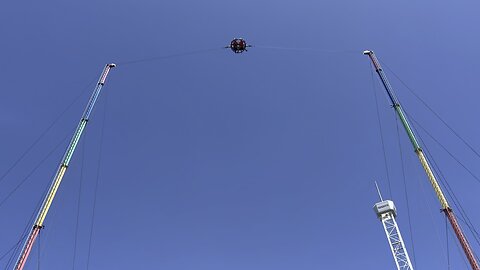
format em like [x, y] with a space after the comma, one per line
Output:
[216, 161]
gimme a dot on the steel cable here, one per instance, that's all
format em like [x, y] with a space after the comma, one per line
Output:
[434, 112]
[155, 58]
[39, 138]
[381, 134]
[102, 133]
[406, 193]
[79, 201]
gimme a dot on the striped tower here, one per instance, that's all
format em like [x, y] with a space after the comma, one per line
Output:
[425, 163]
[47, 202]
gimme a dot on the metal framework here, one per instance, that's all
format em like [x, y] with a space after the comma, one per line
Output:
[386, 212]
[425, 163]
[47, 202]
[397, 245]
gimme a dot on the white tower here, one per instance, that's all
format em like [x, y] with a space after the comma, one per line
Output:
[387, 212]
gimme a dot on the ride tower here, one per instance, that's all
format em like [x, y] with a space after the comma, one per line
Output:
[387, 212]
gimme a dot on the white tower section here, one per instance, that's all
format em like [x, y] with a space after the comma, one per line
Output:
[387, 212]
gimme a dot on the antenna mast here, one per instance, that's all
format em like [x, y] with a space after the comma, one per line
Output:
[425, 164]
[47, 202]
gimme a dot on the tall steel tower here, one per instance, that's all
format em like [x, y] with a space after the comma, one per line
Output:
[387, 212]
[47, 202]
[431, 174]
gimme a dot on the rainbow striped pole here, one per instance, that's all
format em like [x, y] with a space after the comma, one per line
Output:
[47, 202]
[425, 164]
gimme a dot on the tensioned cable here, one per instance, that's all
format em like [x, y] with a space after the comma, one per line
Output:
[434, 112]
[428, 203]
[39, 246]
[23, 236]
[17, 246]
[24, 180]
[154, 58]
[10, 250]
[381, 133]
[163, 57]
[463, 215]
[38, 207]
[79, 201]
[446, 150]
[102, 132]
[442, 179]
[28, 226]
[12, 257]
[447, 186]
[35, 168]
[465, 223]
[460, 252]
[437, 233]
[446, 237]
[444, 183]
[449, 191]
[13, 249]
[39, 138]
[406, 192]
[304, 49]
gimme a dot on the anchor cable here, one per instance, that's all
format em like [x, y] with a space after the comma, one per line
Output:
[304, 49]
[433, 112]
[450, 192]
[381, 134]
[82, 166]
[406, 192]
[163, 57]
[40, 137]
[97, 180]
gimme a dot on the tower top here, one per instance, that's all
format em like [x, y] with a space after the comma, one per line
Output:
[384, 207]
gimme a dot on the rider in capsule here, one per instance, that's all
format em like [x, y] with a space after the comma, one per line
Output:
[238, 45]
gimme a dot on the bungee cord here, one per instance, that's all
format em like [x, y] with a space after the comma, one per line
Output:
[169, 56]
[198, 52]
[238, 45]
[304, 49]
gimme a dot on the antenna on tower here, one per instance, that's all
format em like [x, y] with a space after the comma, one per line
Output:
[379, 193]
